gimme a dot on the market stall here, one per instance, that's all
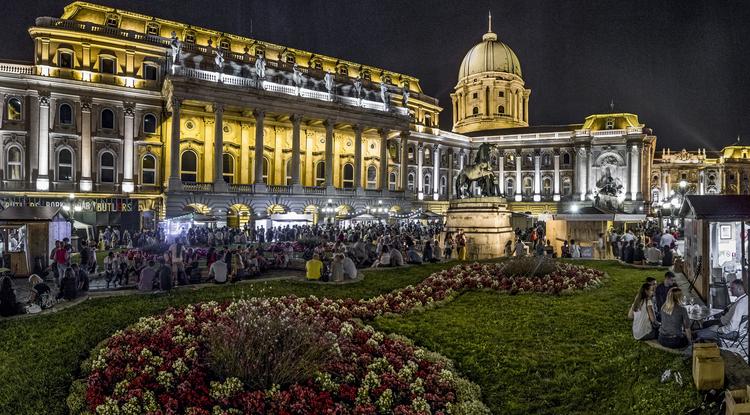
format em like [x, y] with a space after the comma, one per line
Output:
[715, 248]
[28, 236]
[178, 225]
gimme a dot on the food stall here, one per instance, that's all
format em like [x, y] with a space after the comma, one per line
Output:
[715, 248]
[28, 236]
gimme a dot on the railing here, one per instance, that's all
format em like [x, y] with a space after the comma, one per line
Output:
[314, 190]
[197, 187]
[17, 68]
[608, 133]
[280, 189]
[102, 30]
[241, 188]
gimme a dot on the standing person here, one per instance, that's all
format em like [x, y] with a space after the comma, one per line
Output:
[675, 324]
[176, 253]
[600, 247]
[61, 257]
[614, 241]
[110, 264]
[82, 278]
[448, 250]
[575, 249]
[642, 313]
[9, 305]
[520, 248]
[461, 245]
[165, 275]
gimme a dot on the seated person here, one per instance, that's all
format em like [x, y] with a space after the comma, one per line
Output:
[38, 290]
[8, 304]
[549, 250]
[314, 268]
[642, 313]
[638, 255]
[68, 286]
[385, 258]
[146, 277]
[652, 256]
[728, 323]
[667, 257]
[397, 260]
[82, 278]
[675, 324]
[337, 268]
[219, 271]
[350, 269]
[427, 253]
[412, 257]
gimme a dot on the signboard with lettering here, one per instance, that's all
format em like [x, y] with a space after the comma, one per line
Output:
[86, 205]
[587, 252]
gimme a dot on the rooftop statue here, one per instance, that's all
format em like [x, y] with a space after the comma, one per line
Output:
[358, 87]
[176, 46]
[219, 60]
[297, 77]
[404, 96]
[384, 94]
[260, 67]
[329, 82]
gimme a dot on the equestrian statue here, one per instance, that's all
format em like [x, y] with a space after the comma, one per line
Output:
[480, 171]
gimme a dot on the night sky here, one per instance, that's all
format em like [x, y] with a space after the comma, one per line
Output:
[682, 66]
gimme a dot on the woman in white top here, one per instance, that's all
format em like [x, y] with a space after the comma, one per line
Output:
[642, 313]
[575, 249]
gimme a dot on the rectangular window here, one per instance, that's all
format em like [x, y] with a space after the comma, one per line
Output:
[107, 65]
[108, 175]
[149, 177]
[65, 60]
[475, 95]
[149, 72]
[112, 21]
[152, 29]
[189, 37]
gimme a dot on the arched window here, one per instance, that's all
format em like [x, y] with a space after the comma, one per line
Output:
[501, 109]
[66, 114]
[547, 186]
[320, 173]
[510, 187]
[427, 156]
[266, 170]
[14, 111]
[410, 152]
[348, 176]
[427, 184]
[107, 167]
[189, 167]
[372, 177]
[108, 119]
[65, 59]
[475, 111]
[288, 172]
[528, 186]
[15, 164]
[227, 162]
[410, 181]
[443, 185]
[148, 169]
[567, 187]
[149, 124]
[392, 181]
[566, 159]
[546, 160]
[107, 64]
[65, 165]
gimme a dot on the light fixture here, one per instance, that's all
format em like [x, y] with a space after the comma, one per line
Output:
[675, 202]
[66, 208]
[574, 209]
[78, 208]
[683, 184]
[71, 196]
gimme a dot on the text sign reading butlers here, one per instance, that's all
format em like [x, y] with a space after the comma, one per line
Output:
[86, 205]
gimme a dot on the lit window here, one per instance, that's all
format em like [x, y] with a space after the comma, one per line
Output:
[528, 186]
[14, 109]
[190, 37]
[410, 181]
[348, 180]
[320, 174]
[108, 119]
[372, 177]
[566, 158]
[107, 168]
[475, 111]
[288, 172]
[65, 59]
[149, 124]
[15, 165]
[510, 187]
[150, 73]
[366, 75]
[547, 186]
[228, 168]
[112, 20]
[189, 167]
[567, 187]
[66, 114]
[107, 65]
[224, 44]
[148, 169]
[411, 153]
[427, 184]
[65, 165]
[392, 181]
[152, 29]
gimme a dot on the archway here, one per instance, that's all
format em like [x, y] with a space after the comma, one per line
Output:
[238, 215]
[197, 208]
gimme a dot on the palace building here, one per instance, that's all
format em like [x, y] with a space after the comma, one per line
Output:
[127, 119]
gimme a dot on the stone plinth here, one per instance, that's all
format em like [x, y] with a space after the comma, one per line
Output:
[485, 222]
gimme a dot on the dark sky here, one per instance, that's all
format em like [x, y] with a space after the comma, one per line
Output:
[682, 65]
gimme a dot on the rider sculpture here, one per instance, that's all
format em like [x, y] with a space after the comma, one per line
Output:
[480, 171]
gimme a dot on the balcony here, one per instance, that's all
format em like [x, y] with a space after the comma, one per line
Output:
[197, 187]
[277, 189]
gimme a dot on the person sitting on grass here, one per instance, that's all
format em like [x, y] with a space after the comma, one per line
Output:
[38, 289]
[642, 313]
[68, 285]
[9, 306]
[218, 271]
[667, 257]
[314, 268]
[164, 275]
[675, 324]
[397, 259]
[652, 255]
[147, 277]
[385, 258]
[337, 268]
[638, 255]
[520, 248]
[729, 321]
[412, 256]
[350, 269]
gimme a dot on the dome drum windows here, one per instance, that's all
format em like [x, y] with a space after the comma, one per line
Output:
[372, 177]
[152, 29]
[112, 20]
[225, 44]
[501, 109]
[347, 181]
[150, 124]
[107, 119]
[65, 58]
[107, 64]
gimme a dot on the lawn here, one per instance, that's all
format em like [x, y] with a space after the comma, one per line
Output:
[530, 353]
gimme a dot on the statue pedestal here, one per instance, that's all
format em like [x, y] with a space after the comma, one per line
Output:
[485, 222]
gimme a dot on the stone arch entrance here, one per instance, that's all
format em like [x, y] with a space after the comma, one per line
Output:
[239, 215]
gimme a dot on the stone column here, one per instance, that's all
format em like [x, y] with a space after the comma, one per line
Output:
[587, 167]
[127, 161]
[526, 109]
[404, 158]
[537, 177]
[384, 160]
[556, 194]
[219, 183]
[86, 155]
[245, 153]
[519, 158]
[501, 172]
[436, 173]
[175, 183]
[638, 172]
[260, 116]
[329, 154]
[702, 183]
[296, 121]
[42, 180]
[309, 144]
[630, 187]
[451, 185]
[420, 173]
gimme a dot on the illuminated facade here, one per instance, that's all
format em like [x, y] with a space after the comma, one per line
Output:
[136, 117]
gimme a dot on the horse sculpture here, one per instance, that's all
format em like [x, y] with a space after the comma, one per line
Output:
[480, 171]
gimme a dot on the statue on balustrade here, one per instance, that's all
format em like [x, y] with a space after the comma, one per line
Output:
[219, 60]
[297, 77]
[328, 78]
[384, 94]
[480, 171]
[404, 96]
[608, 193]
[260, 69]
[176, 46]
[358, 88]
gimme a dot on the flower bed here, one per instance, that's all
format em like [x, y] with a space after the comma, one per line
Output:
[160, 365]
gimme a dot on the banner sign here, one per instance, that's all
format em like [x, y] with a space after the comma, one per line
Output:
[86, 205]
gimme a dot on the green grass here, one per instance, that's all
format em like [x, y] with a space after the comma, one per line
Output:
[530, 353]
[539, 354]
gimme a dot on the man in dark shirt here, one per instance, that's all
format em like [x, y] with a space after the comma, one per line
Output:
[661, 292]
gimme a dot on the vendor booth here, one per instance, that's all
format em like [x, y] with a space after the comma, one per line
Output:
[360, 219]
[28, 236]
[714, 244]
[173, 227]
[584, 224]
